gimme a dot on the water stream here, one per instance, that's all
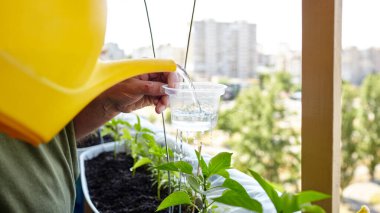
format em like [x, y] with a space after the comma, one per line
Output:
[190, 121]
[182, 72]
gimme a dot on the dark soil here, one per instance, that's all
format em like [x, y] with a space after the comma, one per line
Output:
[112, 187]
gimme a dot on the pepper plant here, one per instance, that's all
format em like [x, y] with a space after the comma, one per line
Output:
[149, 152]
[199, 182]
[146, 151]
[119, 130]
[236, 195]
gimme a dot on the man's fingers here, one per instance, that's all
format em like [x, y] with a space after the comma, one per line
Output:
[169, 78]
[141, 103]
[172, 78]
[162, 104]
[165, 100]
[151, 88]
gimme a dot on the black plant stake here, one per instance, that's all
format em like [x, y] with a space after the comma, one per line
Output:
[162, 113]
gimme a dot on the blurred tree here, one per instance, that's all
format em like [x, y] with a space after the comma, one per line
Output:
[259, 132]
[285, 81]
[370, 118]
[352, 148]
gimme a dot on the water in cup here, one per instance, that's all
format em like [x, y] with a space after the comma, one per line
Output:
[194, 109]
[193, 121]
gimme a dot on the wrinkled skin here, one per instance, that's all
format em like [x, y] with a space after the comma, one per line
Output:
[126, 96]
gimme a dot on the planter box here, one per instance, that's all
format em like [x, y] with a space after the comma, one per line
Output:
[248, 182]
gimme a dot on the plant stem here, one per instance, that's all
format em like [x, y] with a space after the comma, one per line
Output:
[200, 154]
[195, 207]
[135, 144]
[195, 197]
[126, 147]
[114, 150]
[204, 200]
[158, 184]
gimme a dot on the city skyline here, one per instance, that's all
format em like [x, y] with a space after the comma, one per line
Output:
[213, 56]
[170, 21]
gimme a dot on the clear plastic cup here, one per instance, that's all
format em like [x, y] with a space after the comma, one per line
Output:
[194, 109]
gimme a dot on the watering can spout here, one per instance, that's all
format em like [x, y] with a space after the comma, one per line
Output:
[49, 68]
[115, 71]
[34, 109]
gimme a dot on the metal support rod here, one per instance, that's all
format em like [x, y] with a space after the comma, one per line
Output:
[162, 114]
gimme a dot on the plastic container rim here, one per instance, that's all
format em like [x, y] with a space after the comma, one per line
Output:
[216, 88]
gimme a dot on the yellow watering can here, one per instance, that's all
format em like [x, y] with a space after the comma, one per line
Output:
[49, 68]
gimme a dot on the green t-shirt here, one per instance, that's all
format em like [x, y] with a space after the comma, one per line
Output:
[38, 179]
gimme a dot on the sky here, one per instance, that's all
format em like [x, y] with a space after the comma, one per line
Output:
[278, 21]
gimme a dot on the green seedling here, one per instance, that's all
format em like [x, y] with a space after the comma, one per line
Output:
[146, 151]
[158, 156]
[236, 195]
[289, 202]
[140, 144]
[143, 147]
[284, 203]
[199, 183]
[176, 198]
[119, 130]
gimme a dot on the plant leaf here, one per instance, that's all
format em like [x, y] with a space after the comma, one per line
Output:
[310, 196]
[123, 122]
[179, 166]
[312, 209]
[137, 125]
[234, 186]
[126, 134]
[148, 137]
[141, 162]
[272, 194]
[175, 198]
[147, 130]
[106, 131]
[223, 173]
[194, 183]
[289, 203]
[221, 161]
[234, 198]
[203, 164]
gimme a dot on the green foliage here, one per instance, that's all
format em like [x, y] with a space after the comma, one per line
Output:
[352, 144]
[199, 183]
[219, 163]
[360, 126]
[289, 202]
[142, 145]
[178, 166]
[141, 162]
[114, 126]
[271, 192]
[257, 132]
[176, 198]
[119, 130]
[236, 195]
[370, 117]
[285, 81]
[265, 146]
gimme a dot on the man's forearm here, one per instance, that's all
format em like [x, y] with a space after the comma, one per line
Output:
[94, 115]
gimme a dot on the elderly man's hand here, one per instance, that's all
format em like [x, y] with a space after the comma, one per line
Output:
[138, 92]
[131, 94]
